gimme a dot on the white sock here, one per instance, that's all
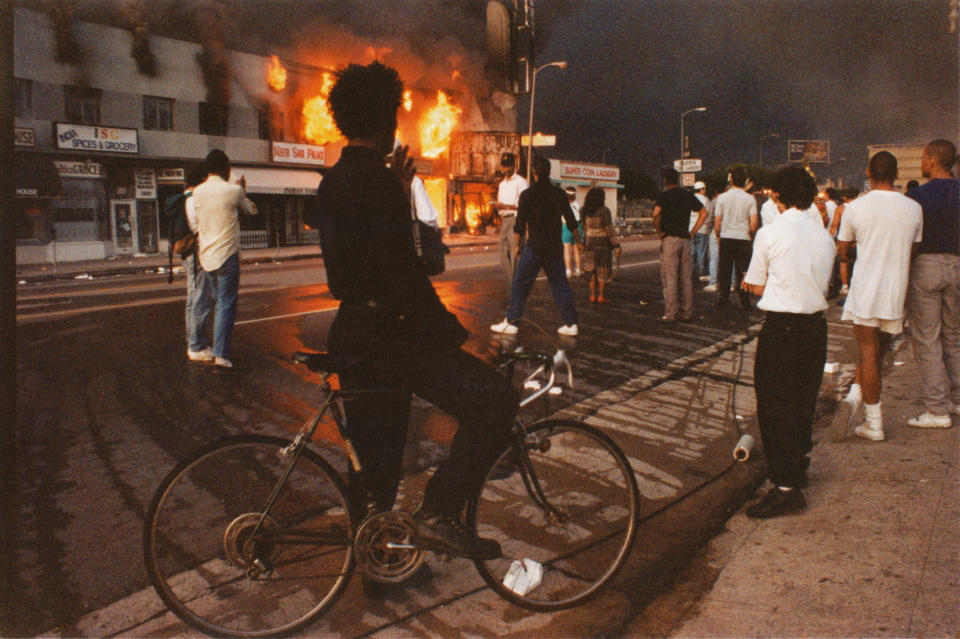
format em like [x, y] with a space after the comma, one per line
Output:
[854, 396]
[874, 415]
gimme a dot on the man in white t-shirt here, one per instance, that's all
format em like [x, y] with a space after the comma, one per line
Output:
[789, 270]
[508, 196]
[885, 225]
[769, 212]
[700, 240]
[734, 222]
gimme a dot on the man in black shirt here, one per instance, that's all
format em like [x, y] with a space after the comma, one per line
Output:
[671, 219]
[394, 326]
[541, 209]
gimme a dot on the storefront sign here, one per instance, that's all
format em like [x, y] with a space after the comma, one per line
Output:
[78, 137]
[166, 176]
[24, 137]
[79, 169]
[146, 184]
[299, 153]
[575, 171]
[688, 165]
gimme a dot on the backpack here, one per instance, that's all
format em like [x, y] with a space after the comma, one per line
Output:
[182, 240]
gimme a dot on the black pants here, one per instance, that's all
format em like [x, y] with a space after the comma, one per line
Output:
[733, 254]
[791, 352]
[455, 381]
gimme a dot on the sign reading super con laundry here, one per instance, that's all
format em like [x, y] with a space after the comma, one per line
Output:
[80, 137]
[582, 171]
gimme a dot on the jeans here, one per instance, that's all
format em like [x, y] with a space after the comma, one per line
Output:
[199, 301]
[791, 352]
[528, 266]
[734, 254]
[701, 256]
[483, 402]
[225, 284]
[676, 273]
[714, 257]
[508, 247]
[934, 311]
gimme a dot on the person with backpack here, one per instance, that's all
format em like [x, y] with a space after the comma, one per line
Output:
[182, 220]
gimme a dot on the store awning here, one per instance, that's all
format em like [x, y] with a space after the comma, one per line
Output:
[36, 176]
[277, 181]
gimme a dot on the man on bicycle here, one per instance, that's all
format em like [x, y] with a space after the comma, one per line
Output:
[394, 326]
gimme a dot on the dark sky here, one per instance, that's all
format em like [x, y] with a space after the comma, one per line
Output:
[853, 72]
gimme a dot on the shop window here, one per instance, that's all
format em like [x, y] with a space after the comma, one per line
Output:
[23, 99]
[157, 113]
[82, 105]
[263, 125]
[213, 118]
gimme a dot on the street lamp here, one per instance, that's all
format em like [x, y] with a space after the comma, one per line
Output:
[533, 86]
[770, 136]
[682, 115]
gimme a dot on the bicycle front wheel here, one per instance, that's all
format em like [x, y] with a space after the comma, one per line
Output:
[564, 509]
[226, 567]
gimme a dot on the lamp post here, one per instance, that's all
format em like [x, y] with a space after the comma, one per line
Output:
[768, 135]
[682, 115]
[954, 21]
[533, 87]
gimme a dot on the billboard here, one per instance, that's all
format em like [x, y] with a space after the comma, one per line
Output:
[808, 151]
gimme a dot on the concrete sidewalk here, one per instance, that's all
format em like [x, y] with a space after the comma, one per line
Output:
[875, 554]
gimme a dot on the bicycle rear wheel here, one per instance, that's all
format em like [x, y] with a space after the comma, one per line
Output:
[225, 569]
[569, 502]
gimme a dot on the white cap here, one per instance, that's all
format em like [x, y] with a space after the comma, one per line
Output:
[698, 186]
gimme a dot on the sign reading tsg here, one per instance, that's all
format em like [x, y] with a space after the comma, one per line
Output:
[80, 137]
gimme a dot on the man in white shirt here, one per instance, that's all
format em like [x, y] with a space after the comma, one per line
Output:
[735, 222]
[701, 239]
[508, 196]
[426, 213]
[218, 206]
[885, 226]
[769, 212]
[790, 271]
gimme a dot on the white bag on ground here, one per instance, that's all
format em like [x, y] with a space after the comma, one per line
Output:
[523, 577]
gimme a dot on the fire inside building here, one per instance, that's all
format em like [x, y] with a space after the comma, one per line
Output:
[105, 133]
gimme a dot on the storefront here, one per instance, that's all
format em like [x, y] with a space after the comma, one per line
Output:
[584, 176]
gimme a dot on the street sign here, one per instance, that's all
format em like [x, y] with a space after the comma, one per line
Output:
[540, 139]
[688, 179]
[688, 165]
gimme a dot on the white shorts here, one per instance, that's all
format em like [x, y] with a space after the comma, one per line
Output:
[891, 326]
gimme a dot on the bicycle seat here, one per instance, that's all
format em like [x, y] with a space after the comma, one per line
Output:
[325, 362]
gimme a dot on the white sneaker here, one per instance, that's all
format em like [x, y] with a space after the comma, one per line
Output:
[846, 409]
[206, 355]
[710, 288]
[504, 327]
[704, 278]
[223, 362]
[570, 330]
[576, 273]
[929, 420]
[569, 272]
[867, 431]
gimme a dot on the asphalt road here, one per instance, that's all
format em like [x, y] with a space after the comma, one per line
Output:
[107, 402]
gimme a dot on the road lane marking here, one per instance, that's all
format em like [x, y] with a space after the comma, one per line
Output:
[288, 315]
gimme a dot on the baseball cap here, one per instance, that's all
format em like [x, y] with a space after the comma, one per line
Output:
[699, 185]
[572, 190]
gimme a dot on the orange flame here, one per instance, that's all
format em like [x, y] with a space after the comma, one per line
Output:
[437, 192]
[276, 74]
[472, 215]
[407, 101]
[319, 127]
[437, 125]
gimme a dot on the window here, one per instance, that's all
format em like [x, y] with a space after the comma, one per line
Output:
[263, 122]
[213, 119]
[157, 114]
[82, 105]
[23, 99]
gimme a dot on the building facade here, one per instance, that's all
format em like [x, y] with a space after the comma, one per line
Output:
[101, 145]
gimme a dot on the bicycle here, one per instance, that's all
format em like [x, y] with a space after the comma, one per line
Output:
[253, 535]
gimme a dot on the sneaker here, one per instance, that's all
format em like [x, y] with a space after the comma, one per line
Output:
[710, 288]
[441, 533]
[929, 420]
[576, 273]
[846, 409]
[777, 502]
[504, 327]
[668, 318]
[569, 272]
[206, 355]
[570, 330]
[705, 278]
[223, 362]
[867, 431]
